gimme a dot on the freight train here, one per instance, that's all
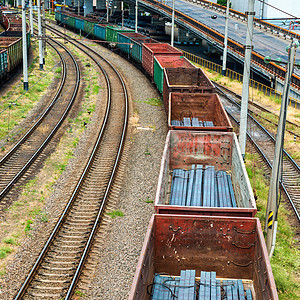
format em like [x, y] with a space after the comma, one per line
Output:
[204, 241]
[11, 54]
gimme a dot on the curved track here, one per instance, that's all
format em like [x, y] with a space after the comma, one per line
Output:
[264, 143]
[56, 272]
[22, 156]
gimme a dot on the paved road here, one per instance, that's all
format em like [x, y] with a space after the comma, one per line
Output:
[264, 43]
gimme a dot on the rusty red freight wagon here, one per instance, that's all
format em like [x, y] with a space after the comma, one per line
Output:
[185, 80]
[166, 61]
[231, 248]
[190, 111]
[154, 49]
[203, 173]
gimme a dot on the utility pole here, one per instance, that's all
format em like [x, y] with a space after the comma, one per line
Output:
[78, 8]
[173, 23]
[24, 40]
[40, 36]
[225, 39]
[30, 17]
[122, 9]
[247, 65]
[107, 10]
[272, 206]
[44, 30]
[136, 15]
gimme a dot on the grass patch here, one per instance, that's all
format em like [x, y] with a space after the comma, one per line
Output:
[28, 225]
[4, 251]
[44, 217]
[151, 101]
[115, 213]
[148, 200]
[286, 258]
[95, 90]
[147, 151]
[2, 272]
[79, 293]
[10, 241]
[17, 103]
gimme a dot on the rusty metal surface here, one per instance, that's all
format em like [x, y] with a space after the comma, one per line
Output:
[167, 61]
[205, 107]
[232, 247]
[186, 80]
[218, 149]
[134, 35]
[6, 42]
[154, 49]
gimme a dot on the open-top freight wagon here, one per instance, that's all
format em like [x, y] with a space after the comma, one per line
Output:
[153, 50]
[185, 80]
[11, 53]
[125, 40]
[166, 61]
[112, 33]
[203, 173]
[197, 111]
[205, 258]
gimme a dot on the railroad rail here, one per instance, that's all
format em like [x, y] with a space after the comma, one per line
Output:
[264, 144]
[58, 267]
[255, 109]
[22, 156]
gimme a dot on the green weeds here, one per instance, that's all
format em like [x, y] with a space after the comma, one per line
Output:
[4, 251]
[79, 293]
[286, 259]
[148, 200]
[10, 241]
[147, 151]
[28, 225]
[152, 101]
[115, 213]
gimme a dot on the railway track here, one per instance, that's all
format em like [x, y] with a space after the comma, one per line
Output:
[256, 111]
[264, 143]
[22, 158]
[58, 267]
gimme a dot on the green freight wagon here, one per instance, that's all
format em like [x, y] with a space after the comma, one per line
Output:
[136, 50]
[79, 24]
[125, 40]
[28, 40]
[112, 33]
[99, 31]
[58, 17]
[89, 28]
[3, 63]
[70, 21]
[14, 50]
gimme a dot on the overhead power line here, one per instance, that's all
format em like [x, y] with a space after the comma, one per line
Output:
[277, 9]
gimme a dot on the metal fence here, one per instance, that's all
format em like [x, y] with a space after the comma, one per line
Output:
[239, 77]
